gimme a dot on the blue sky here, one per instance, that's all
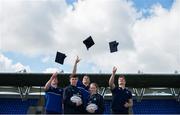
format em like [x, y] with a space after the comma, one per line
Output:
[36, 63]
[147, 4]
[140, 4]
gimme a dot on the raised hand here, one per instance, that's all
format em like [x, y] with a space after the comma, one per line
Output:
[54, 75]
[77, 59]
[114, 69]
[48, 84]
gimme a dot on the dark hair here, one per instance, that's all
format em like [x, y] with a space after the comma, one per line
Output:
[122, 76]
[95, 84]
[86, 76]
[73, 76]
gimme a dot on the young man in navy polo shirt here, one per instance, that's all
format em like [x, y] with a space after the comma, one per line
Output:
[53, 95]
[73, 96]
[83, 85]
[121, 96]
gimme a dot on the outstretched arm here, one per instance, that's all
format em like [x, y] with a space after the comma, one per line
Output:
[48, 84]
[75, 66]
[111, 80]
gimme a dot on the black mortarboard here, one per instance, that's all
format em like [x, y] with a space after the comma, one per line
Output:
[60, 57]
[88, 42]
[113, 46]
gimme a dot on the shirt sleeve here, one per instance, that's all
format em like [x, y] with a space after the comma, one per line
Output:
[130, 95]
[79, 83]
[114, 90]
[49, 89]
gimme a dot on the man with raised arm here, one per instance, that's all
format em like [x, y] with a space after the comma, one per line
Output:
[121, 96]
[73, 97]
[53, 96]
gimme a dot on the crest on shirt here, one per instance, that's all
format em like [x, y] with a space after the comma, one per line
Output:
[127, 92]
[78, 94]
[94, 99]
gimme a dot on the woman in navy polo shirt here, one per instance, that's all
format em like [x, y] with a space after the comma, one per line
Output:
[95, 102]
[121, 96]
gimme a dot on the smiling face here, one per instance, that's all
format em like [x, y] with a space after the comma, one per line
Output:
[73, 81]
[121, 80]
[93, 88]
[86, 80]
[54, 82]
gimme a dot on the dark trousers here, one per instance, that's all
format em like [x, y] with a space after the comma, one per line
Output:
[119, 112]
[52, 112]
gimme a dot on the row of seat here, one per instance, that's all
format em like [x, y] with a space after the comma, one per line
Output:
[149, 106]
[16, 106]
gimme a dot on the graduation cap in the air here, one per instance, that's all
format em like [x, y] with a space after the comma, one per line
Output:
[88, 42]
[113, 46]
[60, 57]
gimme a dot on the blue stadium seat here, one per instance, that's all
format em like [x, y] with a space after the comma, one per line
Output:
[148, 106]
[151, 106]
[15, 106]
[156, 106]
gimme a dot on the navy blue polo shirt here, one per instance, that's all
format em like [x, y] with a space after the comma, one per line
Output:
[69, 106]
[99, 101]
[54, 97]
[119, 98]
[85, 95]
[80, 84]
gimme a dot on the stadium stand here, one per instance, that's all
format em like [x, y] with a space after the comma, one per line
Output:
[22, 93]
[147, 106]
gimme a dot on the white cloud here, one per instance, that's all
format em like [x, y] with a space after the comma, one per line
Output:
[105, 21]
[7, 65]
[51, 70]
[26, 25]
[45, 59]
[157, 40]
